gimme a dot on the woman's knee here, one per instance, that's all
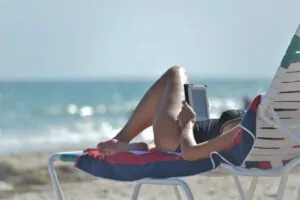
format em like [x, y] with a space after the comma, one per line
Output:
[176, 72]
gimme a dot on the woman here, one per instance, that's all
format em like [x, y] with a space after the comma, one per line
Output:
[173, 121]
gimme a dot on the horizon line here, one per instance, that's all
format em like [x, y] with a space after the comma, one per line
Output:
[125, 78]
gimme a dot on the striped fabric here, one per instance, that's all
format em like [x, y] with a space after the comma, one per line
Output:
[273, 147]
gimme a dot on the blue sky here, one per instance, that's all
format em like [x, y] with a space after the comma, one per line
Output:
[133, 38]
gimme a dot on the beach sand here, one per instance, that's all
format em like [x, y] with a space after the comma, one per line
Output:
[25, 176]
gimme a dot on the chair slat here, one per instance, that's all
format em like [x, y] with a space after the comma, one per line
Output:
[287, 105]
[272, 143]
[288, 96]
[290, 122]
[261, 158]
[287, 114]
[273, 133]
[290, 77]
[275, 152]
[294, 67]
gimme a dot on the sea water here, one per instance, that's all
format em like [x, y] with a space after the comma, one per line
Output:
[42, 115]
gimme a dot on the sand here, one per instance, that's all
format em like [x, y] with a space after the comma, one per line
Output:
[25, 176]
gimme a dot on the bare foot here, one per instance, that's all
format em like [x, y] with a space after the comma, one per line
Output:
[113, 146]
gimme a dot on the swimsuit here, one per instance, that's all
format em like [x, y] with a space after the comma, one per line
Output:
[211, 128]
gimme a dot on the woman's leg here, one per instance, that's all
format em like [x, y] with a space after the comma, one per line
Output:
[159, 107]
[146, 111]
[165, 127]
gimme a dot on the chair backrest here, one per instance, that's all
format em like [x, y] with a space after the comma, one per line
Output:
[272, 144]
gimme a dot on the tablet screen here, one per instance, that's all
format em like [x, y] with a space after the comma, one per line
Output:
[199, 103]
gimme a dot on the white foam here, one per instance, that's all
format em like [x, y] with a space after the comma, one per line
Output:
[72, 109]
[86, 111]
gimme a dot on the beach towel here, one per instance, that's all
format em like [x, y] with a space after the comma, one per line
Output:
[135, 165]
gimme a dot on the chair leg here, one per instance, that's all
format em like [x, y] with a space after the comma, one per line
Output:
[252, 188]
[177, 192]
[282, 186]
[239, 187]
[53, 177]
[174, 182]
[136, 190]
[298, 196]
[186, 189]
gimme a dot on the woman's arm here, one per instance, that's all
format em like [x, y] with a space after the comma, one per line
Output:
[193, 151]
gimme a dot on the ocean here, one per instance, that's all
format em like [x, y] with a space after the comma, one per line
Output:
[43, 115]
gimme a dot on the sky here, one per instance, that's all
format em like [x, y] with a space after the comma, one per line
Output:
[74, 39]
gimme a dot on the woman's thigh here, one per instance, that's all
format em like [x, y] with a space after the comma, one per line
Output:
[165, 126]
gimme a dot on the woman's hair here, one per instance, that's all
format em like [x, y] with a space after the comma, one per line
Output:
[229, 116]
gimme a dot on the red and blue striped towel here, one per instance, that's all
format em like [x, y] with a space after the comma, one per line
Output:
[131, 166]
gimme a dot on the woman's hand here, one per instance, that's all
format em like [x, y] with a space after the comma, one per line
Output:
[186, 115]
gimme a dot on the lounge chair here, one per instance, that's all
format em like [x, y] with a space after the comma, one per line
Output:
[266, 145]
